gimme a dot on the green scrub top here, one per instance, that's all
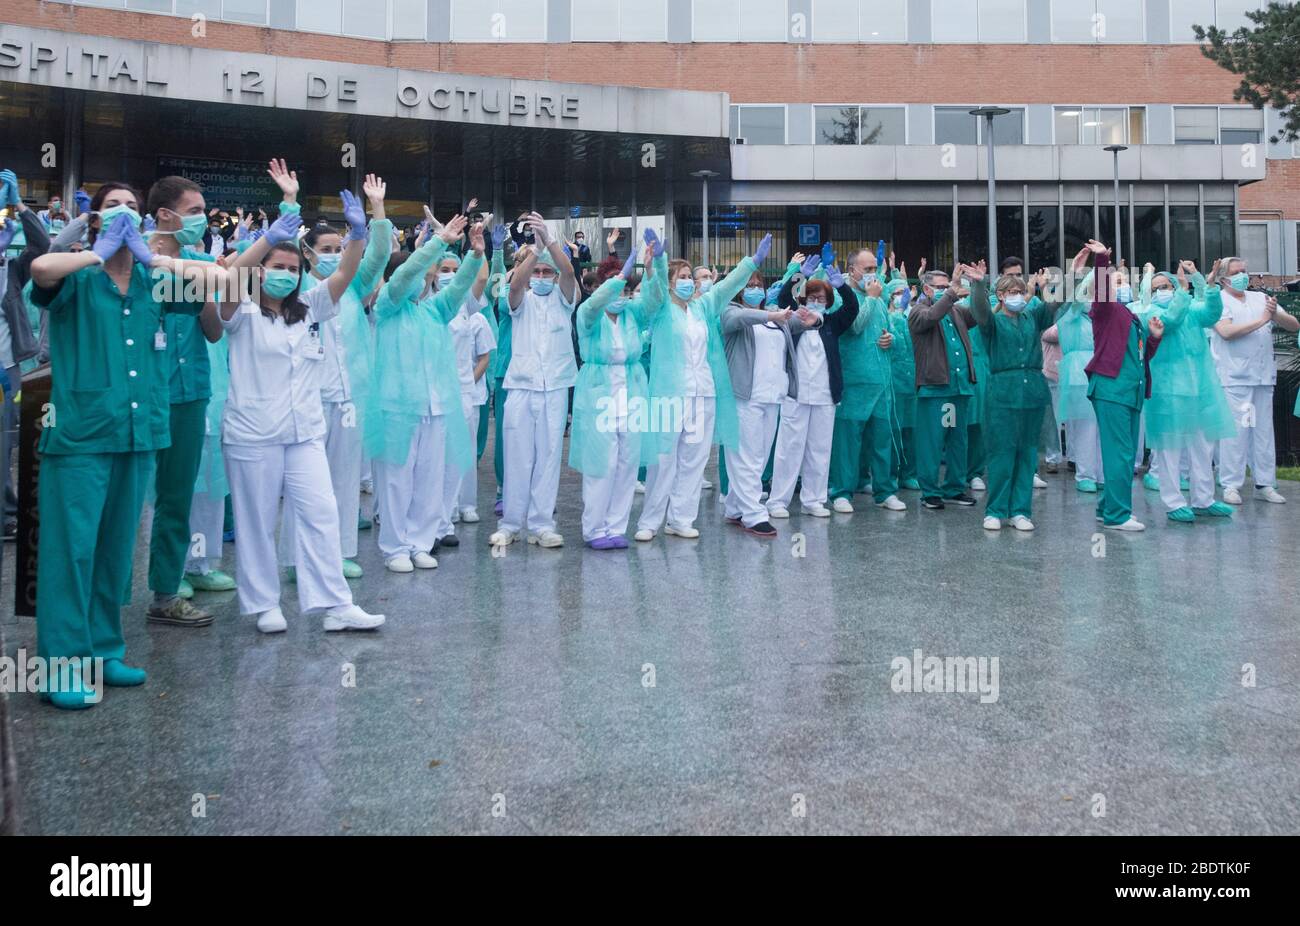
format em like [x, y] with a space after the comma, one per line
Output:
[189, 373]
[959, 383]
[110, 389]
[1129, 387]
[1015, 358]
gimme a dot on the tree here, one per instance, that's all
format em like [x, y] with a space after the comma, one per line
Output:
[1268, 59]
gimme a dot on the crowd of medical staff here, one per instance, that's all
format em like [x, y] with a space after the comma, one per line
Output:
[274, 380]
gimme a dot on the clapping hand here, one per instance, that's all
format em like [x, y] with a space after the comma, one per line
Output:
[285, 228]
[285, 179]
[110, 240]
[453, 229]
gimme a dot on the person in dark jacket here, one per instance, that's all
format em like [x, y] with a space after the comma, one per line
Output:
[803, 443]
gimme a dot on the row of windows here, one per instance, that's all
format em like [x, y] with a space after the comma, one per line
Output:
[851, 124]
[959, 21]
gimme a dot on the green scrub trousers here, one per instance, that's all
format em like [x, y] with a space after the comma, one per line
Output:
[907, 459]
[178, 469]
[863, 450]
[1013, 460]
[936, 443]
[89, 509]
[1117, 425]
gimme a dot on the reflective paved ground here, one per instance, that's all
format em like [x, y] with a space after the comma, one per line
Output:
[723, 685]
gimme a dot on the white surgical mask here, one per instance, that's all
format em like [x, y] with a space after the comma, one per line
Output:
[1014, 303]
[1163, 296]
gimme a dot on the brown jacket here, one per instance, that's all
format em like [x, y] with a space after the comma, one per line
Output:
[927, 338]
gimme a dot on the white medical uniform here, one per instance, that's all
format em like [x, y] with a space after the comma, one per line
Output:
[758, 419]
[273, 441]
[607, 499]
[537, 382]
[803, 443]
[472, 337]
[1248, 373]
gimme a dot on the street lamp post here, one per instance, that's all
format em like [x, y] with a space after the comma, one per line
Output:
[989, 112]
[704, 176]
[1119, 250]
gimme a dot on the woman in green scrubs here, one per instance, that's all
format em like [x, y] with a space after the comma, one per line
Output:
[108, 417]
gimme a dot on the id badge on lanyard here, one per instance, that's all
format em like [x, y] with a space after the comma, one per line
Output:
[312, 348]
[160, 339]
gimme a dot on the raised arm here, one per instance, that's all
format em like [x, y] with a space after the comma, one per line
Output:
[606, 293]
[979, 299]
[568, 279]
[449, 300]
[408, 278]
[354, 245]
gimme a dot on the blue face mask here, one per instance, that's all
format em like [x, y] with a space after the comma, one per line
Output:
[818, 307]
[868, 278]
[1124, 294]
[279, 283]
[191, 230]
[705, 286]
[617, 306]
[327, 264]
[684, 289]
[444, 280]
[939, 291]
[1163, 296]
[753, 295]
[898, 301]
[1014, 304]
[108, 215]
[1239, 281]
[541, 286]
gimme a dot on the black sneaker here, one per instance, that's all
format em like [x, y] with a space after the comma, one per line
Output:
[964, 500]
[933, 502]
[762, 529]
[11, 529]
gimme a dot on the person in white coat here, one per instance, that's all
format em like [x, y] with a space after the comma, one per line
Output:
[474, 342]
[1242, 344]
[273, 426]
[543, 293]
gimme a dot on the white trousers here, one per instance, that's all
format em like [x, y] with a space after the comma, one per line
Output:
[1252, 407]
[607, 499]
[533, 433]
[1052, 428]
[207, 518]
[1083, 441]
[467, 496]
[259, 475]
[410, 496]
[1199, 455]
[673, 484]
[343, 451]
[745, 465]
[803, 447]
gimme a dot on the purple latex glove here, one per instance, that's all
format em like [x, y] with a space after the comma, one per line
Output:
[810, 265]
[354, 214]
[499, 236]
[149, 225]
[828, 254]
[285, 228]
[82, 200]
[764, 248]
[110, 240]
[656, 243]
[138, 246]
[7, 233]
[630, 266]
[834, 277]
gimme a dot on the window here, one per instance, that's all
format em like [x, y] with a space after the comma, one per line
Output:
[1253, 244]
[859, 20]
[367, 19]
[758, 124]
[1137, 125]
[149, 6]
[498, 21]
[209, 8]
[739, 20]
[1228, 15]
[1196, 125]
[954, 125]
[620, 20]
[1090, 21]
[971, 21]
[1093, 125]
[1241, 126]
[859, 125]
[320, 16]
[244, 11]
[409, 19]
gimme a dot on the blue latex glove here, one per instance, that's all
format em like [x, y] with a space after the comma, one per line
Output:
[810, 265]
[907, 297]
[354, 214]
[764, 248]
[828, 254]
[285, 228]
[834, 277]
[655, 242]
[138, 246]
[149, 224]
[82, 199]
[257, 233]
[499, 236]
[7, 233]
[8, 188]
[630, 266]
[568, 253]
[774, 293]
[880, 255]
[110, 240]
